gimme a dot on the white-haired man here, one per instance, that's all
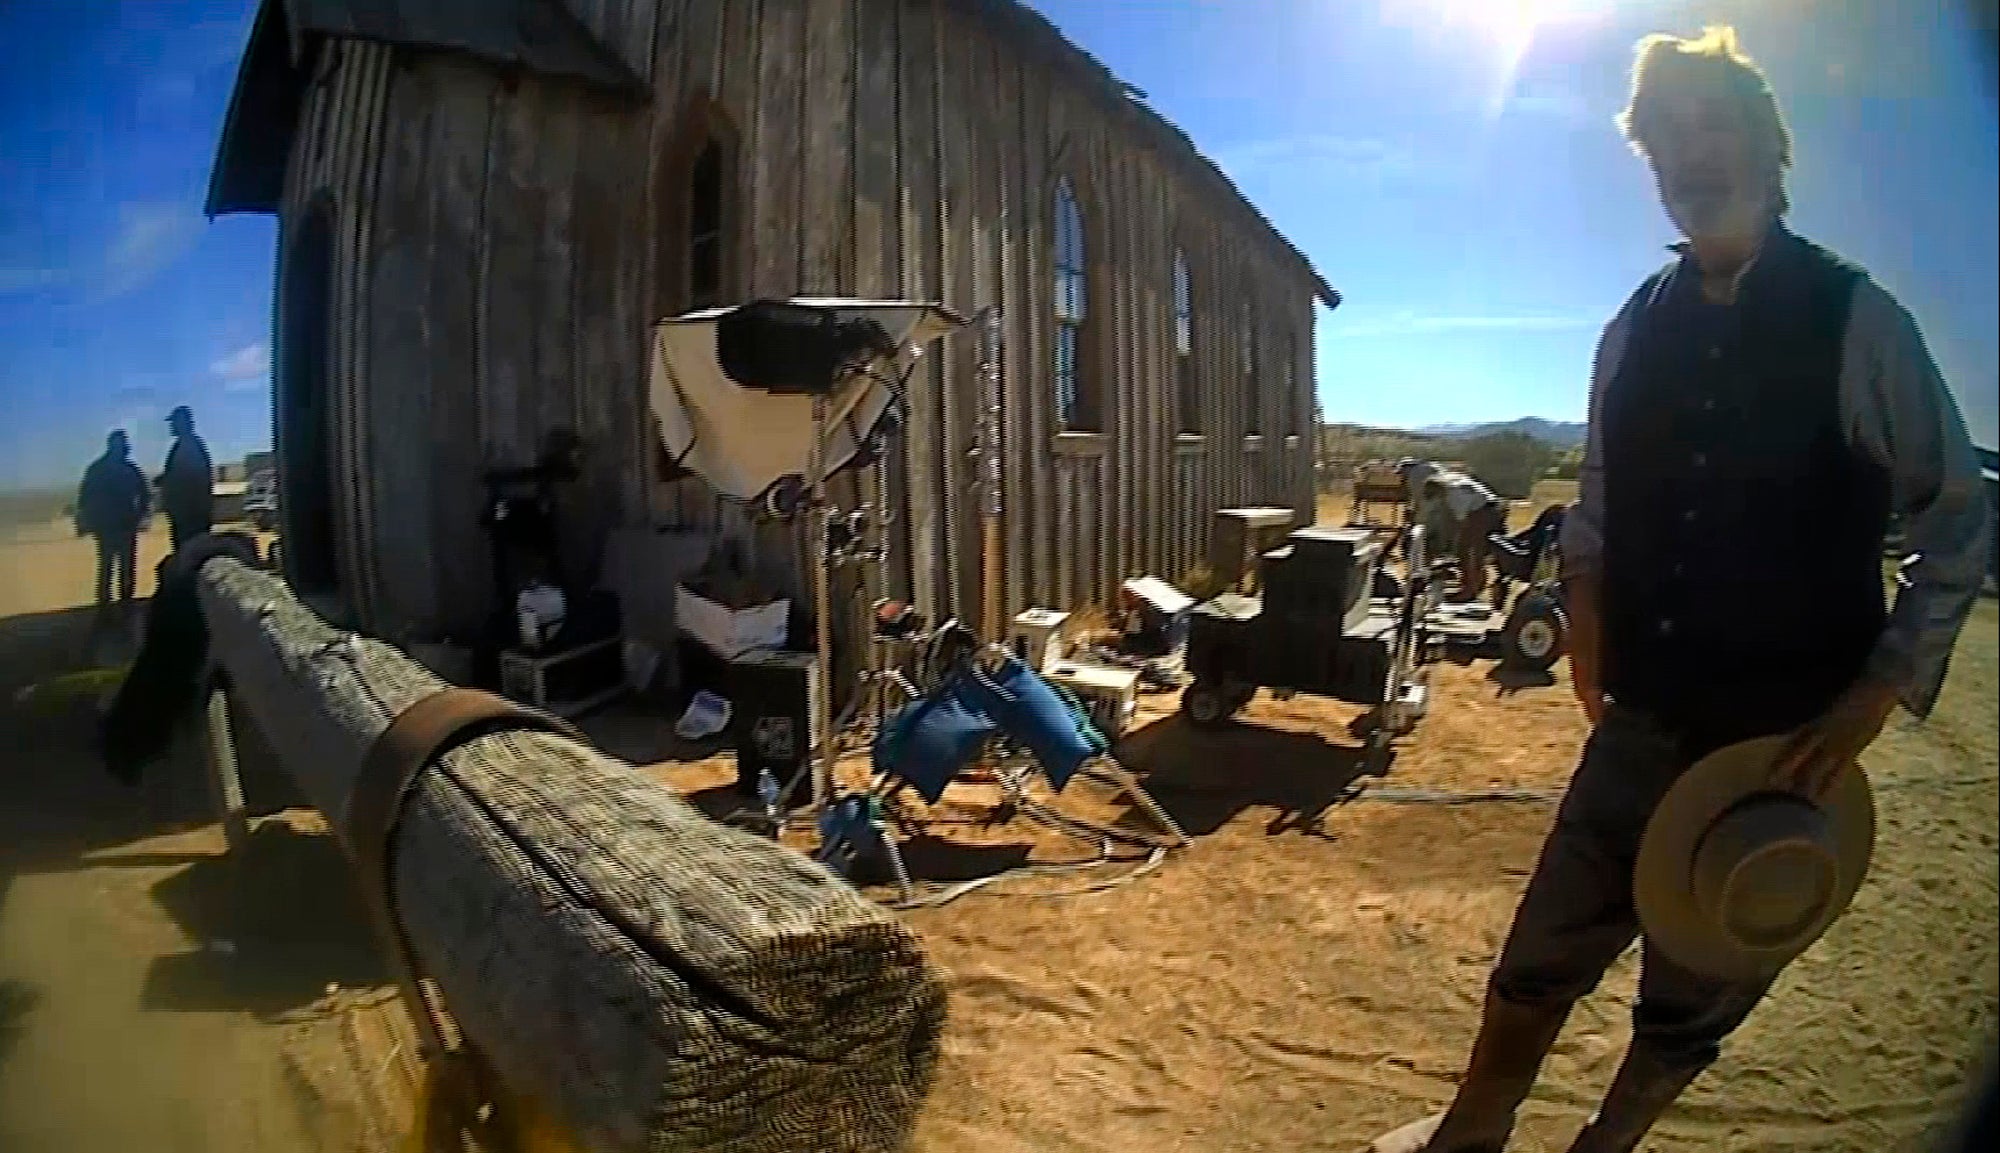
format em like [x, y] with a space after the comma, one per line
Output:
[1759, 408]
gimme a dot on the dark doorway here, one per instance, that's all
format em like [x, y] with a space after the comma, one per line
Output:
[305, 429]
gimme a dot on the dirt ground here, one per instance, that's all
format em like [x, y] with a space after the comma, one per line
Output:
[1305, 976]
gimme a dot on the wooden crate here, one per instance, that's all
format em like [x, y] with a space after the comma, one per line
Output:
[564, 683]
[1239, 537]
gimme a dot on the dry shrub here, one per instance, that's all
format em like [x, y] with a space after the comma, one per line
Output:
[1200, 582]
[1091, 622]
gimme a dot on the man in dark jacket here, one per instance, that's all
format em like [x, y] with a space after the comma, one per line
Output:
[110, 506]
[1759, 408]
[187, 482]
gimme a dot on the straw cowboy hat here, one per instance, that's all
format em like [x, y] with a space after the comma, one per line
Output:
[1734, 878]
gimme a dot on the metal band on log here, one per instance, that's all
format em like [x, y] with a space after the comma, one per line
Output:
[657, 980]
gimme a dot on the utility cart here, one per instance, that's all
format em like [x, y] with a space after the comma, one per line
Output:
[1526, 622]
[1317, 629]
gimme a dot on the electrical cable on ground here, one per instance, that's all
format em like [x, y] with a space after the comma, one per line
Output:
[1076, 827]
[947, 894]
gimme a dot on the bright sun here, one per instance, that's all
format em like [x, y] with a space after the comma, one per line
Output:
[1508, 21]
[1508, 27]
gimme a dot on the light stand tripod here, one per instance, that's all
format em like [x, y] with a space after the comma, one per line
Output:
[831, 544]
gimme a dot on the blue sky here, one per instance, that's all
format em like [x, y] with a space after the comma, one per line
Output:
[1449, 164]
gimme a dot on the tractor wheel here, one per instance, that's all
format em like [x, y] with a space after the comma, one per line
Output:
[1536, 634]
[1208, 705]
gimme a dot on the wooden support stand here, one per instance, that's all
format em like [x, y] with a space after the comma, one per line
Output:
[224, 777]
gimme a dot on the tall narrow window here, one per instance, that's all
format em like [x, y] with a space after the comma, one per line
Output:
[704, 240]
[1186, 383]
[1295, 385]
[694, 256]
[1073, 409]
[1252, 406]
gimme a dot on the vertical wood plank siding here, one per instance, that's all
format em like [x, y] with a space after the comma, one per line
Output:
[335, 161]
[494, 279]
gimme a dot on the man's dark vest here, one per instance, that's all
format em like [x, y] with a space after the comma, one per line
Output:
[1742, 576]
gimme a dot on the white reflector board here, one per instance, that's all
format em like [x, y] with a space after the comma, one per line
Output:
[744, 440]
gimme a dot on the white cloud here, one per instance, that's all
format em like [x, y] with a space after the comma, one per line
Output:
[246, 369]
[149, 237]
[1418, 324]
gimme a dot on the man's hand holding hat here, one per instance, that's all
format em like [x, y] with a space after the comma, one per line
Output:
[1818, 751]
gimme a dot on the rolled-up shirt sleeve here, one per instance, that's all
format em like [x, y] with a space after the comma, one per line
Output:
[1900, 415]
[1582, 539]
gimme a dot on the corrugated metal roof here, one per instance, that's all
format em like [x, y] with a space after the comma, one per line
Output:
[540, 36]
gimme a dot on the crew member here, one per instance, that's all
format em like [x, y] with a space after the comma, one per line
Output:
[187, 481]
[111, 505]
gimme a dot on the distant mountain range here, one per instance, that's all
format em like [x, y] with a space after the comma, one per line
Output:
[1561, 433]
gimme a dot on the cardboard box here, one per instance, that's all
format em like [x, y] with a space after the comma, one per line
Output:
[1111, 696]
[1039, 637]
[727, 632]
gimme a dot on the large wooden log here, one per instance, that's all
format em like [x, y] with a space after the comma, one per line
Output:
[657, 980]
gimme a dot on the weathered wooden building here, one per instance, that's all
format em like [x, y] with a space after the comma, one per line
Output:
[484, 204]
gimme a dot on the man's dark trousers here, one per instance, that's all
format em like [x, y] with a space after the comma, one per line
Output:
[1578, 914]
[186, 527]
[117, 556]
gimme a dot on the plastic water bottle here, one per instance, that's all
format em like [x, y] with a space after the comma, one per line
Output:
[767, 789]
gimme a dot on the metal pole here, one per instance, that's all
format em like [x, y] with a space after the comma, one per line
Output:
[878, 567]
[993, 595]
[822, 578]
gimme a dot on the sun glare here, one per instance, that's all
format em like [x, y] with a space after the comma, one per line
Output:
[1507, 27]
[1506, 22]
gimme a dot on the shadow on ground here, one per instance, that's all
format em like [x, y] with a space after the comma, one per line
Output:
[17, 1000]
[285, 905]
[934, 858]
[1511, 680]
[1506, 678]
[61, 804]
[280, 920]
[1205, 778]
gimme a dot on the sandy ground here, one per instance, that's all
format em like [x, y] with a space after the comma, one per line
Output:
[44, 567]
[1305, 976]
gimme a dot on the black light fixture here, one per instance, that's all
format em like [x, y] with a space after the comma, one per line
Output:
[786, 348]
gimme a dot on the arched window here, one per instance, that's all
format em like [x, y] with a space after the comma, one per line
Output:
[1073, 404]
[704, 240]
[1252, 408]
[694, 259]
[1187, 382]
